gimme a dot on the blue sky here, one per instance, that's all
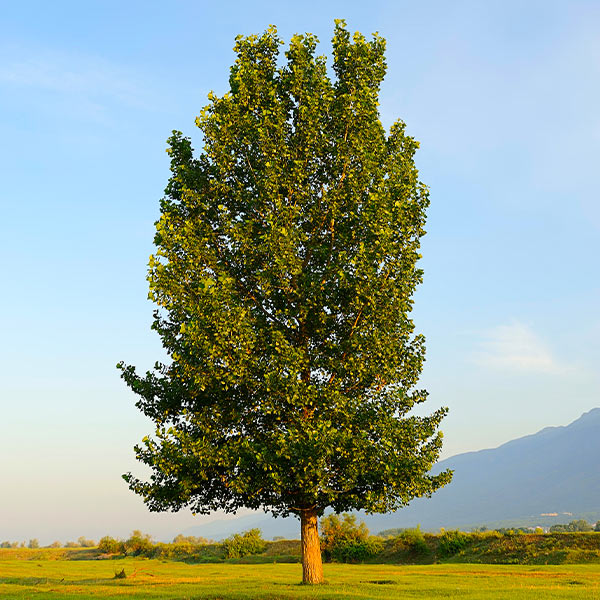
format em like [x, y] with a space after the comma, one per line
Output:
[503, 97]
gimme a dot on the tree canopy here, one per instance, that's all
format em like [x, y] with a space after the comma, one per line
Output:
[285, 265]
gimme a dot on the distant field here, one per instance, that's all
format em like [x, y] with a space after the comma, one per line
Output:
[151, 578]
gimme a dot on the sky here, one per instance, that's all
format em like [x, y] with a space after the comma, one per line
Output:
[503, 97]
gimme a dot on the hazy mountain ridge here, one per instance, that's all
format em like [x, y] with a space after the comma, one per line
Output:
[555, 470]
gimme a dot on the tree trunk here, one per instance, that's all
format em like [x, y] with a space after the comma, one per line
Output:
[312, 565]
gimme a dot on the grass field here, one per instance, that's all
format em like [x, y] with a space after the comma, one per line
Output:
[150, 578]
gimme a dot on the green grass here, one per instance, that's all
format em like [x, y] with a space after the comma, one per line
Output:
[151, 578]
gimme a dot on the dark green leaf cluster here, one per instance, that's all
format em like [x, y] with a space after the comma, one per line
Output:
[244, 544]
[285, 267]
[110, 545]
[345, 540]
[453, 541]
[411, 540]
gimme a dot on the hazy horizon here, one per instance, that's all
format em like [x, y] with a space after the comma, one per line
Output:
[502, 97]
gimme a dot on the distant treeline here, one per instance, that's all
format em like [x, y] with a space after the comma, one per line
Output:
[579, 525]
[82, 542]
[345, 540]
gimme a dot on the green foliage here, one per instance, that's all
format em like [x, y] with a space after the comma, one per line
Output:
[392, 532]
[249, 542]
[344, 540]
[335, 527]
[189, 539]
[452, 542]
[513, 530]
[285, 265]
[413, 541]
[572, 526]
[356, 551]
[33, 543]
[109, 545]
[138, 543]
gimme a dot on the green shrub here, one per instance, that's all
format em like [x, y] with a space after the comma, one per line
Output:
[356, 550]
[190, 540]
[413, 541]
[452, 542]
[250, 542]
[345, 540]
[394, 532]
[139, 544]
[109, 545]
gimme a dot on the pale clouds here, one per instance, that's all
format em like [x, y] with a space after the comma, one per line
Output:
[76, 77]
[516, 347]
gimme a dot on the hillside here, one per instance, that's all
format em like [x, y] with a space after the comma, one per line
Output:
[552, 471]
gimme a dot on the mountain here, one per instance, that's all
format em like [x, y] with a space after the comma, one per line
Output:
[553, 471]
[552, 476]
[288, 527]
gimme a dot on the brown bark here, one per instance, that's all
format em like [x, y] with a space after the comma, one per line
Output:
[312, 565]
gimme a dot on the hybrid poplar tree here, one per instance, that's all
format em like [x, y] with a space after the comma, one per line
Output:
[284, 272]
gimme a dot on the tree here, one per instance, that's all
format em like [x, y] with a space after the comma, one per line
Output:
[572, 526]
[249, 542]
[85, 543]
[109, 545]
[284, 271]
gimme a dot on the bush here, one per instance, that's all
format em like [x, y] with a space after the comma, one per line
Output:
[345, 540]
[250, 542]
[55, 544]
[413, 541]
[356, 550]
[189, 539]
[452, 542]
[109, 545]
[391, 533]
[33, 543]
[138, 544]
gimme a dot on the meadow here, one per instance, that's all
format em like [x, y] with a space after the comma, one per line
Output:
[152, 578]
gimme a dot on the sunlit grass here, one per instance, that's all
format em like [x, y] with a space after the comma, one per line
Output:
[56, 579]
